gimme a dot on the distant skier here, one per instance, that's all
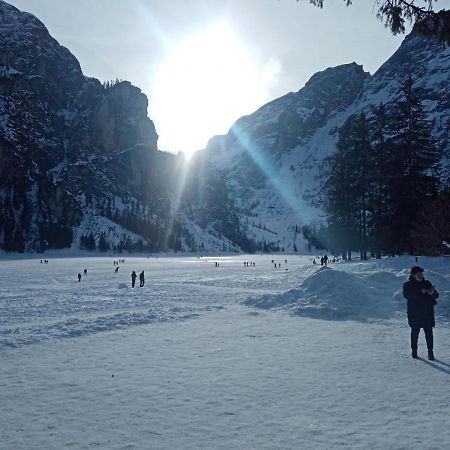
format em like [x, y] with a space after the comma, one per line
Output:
[85, 271]
[133, 278]
[79, 277]
[421, 296]
[141, 279]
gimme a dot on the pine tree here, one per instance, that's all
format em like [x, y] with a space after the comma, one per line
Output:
[82, 242]
[394, 13]
[348, 187]
[415, 163]
[383, 170]
[432, 228]
[90, 242]
[18, 242]
[103, 244]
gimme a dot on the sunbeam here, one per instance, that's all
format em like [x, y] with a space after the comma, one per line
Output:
[266, 164]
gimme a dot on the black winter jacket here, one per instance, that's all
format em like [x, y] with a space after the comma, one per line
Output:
[420, 305]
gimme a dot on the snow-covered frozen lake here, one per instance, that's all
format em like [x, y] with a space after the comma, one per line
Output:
[227, 357]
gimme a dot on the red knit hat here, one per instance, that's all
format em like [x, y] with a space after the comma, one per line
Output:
[415, 270]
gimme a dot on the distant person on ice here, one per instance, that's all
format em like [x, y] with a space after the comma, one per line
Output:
[79, 277]
[85, 271]
[421, 297]
[141, 279]
[133, 278]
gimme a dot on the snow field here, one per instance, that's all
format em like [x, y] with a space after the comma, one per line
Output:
[208, 371]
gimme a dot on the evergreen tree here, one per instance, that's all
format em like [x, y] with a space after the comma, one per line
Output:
[103, 244]
[379, 180]
[18, 242]
[82, 242]
[415, 163]
[394, 13]
[348, 187]
[383, 170]
[432, 228]
[90, 242]
[8, 226]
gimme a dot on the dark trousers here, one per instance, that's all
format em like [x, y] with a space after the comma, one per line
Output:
[428, 337]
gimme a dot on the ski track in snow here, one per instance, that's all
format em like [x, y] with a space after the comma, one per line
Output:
[227, 357]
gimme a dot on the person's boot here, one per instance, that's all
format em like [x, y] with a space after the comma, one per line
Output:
[431, 355]
[414, 354]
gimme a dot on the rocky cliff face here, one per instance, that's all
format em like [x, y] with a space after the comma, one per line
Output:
[67, 143]
[255, 145]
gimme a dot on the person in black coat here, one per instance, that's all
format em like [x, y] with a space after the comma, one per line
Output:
[421, 296]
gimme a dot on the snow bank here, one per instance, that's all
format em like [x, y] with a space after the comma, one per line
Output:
[336, 295]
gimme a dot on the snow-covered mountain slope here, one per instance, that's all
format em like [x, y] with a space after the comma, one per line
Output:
[273, 159]
[79, 164]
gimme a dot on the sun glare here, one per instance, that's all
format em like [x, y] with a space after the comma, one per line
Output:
[207, 81]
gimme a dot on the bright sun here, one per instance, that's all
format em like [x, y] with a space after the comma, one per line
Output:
[207, 81]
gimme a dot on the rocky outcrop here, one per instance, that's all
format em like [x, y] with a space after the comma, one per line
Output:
[66, 141]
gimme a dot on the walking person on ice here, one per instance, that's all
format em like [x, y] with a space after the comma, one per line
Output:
[141, 279]
[133, 278]
[421, 297]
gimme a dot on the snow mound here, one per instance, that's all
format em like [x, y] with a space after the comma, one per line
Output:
[336, 295]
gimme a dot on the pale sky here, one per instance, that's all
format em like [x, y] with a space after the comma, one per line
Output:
[205, 63]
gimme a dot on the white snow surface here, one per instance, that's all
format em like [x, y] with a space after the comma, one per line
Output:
[227, 357]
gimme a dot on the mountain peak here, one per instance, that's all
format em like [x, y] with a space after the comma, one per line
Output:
[10, 14]
[25, 40]
[340, 72]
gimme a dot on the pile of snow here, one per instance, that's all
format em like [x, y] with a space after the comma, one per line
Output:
[336, 295]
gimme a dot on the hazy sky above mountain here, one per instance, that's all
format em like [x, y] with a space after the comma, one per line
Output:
[205, 63]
